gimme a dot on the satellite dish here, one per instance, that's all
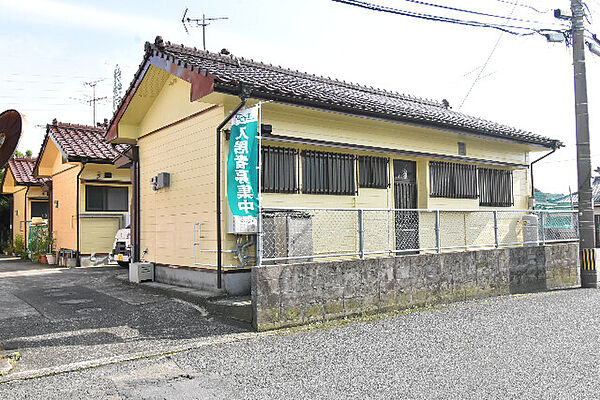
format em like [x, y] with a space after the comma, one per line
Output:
[11, 125]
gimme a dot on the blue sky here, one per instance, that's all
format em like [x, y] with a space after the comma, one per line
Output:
[52, 47]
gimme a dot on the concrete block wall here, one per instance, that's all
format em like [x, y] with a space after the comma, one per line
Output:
[297, 294]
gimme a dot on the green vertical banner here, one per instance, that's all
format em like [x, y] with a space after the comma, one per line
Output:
[242, 172]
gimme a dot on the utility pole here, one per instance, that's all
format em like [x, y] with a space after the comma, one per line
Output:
[584, 165]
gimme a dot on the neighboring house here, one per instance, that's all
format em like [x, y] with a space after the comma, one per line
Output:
[28, 195]
[89, 197]
[318, 134]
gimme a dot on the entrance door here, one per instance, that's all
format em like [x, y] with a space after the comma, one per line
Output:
[405, 197]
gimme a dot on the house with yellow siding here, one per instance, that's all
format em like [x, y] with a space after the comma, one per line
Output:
[324, 144]
[27, 195]
[89, 197]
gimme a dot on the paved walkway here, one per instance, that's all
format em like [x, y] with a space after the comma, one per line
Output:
[57, 317]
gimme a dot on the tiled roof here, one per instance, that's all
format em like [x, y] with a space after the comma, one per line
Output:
[79, 142]
[21, 168]
[270, 82]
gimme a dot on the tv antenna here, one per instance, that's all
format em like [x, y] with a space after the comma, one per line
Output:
[203, 22]
[92, 100]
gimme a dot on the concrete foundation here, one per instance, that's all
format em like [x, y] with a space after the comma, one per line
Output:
[296, 294]
[234, 283]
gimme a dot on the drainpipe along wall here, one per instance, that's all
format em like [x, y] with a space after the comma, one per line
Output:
[83, 163]
[554, 148]
[25, 216]
[218, 187]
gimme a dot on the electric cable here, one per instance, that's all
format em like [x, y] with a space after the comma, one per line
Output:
[512, 29]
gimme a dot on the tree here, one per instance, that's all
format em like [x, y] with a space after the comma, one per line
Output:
[28, 153]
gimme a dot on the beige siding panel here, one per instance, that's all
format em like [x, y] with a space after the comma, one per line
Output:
[186, 151]
[98, 235]
[320, 125]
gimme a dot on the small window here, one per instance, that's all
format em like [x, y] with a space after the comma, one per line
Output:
[279, 170]
[106, 198]
[373, 172]
[328, 173]
[495, 187]
[453, 180]
[39, 209]
[462, 149]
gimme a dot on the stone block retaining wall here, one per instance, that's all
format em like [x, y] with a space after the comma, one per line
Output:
[297, 294]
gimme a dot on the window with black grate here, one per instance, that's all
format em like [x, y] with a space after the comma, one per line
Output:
[106, 198]
[39, 209]
[279, 170]
[495, 187]
[452, 180]
[328, 173]
[373, 172]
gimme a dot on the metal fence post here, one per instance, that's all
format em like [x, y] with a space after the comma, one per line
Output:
[361, 233]
[543, 227]
[438, 244]
[496, 242]
[259, 236]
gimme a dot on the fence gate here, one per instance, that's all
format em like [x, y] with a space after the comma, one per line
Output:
[405, 196]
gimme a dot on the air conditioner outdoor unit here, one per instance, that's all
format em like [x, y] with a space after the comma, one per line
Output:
[287, 234]
[141, 271]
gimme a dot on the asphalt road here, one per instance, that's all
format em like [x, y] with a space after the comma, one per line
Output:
[518, 347]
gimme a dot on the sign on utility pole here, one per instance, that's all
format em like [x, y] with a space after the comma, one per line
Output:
[584, 165]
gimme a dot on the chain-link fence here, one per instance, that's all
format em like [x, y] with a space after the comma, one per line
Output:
[303, 234]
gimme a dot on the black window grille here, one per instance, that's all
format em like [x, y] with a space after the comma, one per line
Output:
[452, 180]
[39, 209]
[328, 173]
[495, 187]
[373, 172]
[106, 198]
[279, 170]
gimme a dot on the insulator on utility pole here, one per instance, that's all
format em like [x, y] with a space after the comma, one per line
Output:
[584, 164]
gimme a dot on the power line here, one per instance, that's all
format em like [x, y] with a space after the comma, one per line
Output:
[476, 12]
[512, 29]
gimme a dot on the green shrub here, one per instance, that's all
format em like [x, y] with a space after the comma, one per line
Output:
[19, 245]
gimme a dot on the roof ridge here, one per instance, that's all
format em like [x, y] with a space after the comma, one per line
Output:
[77, 126]
[230, 59]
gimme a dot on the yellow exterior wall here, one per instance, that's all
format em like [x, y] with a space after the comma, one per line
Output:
[98, 228]
[64, 222]
[19, 212]
[96, 234]
[187, 152]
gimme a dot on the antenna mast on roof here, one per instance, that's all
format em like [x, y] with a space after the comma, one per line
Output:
[94, 99]
[199, 22]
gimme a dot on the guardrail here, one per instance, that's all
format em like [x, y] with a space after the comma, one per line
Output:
[302, 234]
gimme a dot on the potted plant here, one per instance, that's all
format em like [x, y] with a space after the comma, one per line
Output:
[45, 245]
